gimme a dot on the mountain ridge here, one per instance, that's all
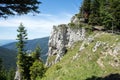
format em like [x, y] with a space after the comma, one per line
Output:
[8, 57]
[8, 52]
[31, 45]
[5, 41]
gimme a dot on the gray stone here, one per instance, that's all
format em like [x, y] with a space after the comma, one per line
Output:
[116, 50]
[82, 46]
[17, 75]
[75, 20]
[98, 43]
[62, 37]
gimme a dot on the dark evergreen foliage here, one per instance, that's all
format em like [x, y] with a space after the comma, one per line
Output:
[36, 54]
[85, 9]
[94, 12]
[21, 37]
[18, 7]
[102, 12]
[11, 74]
[26, 61]
[37, 70]
[2, 71]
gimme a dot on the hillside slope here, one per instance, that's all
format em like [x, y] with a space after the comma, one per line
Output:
[8, 57]
[3, 42]
[91, 59]
[31, 45]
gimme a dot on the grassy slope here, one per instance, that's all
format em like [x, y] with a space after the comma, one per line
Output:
[85, 66]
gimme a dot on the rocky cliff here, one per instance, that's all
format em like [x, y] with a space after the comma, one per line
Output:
[62, 37]
[80, 52]
[65, 35]
[93, 58]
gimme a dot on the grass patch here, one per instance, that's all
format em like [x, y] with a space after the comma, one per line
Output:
[51, 58]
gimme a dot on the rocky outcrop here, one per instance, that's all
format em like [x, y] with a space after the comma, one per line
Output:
[61, 38]
[17, 74]
[75, 20]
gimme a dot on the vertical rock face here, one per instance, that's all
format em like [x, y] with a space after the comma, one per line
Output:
[62, 37]
[75, 35]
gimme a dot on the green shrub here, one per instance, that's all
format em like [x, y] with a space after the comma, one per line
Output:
[58, 67]
[37, 70]
[71, 24]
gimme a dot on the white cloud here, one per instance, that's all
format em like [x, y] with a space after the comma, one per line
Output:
[42, 20]
[37, 26]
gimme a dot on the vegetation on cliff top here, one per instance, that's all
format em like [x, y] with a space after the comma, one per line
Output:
[101, 12]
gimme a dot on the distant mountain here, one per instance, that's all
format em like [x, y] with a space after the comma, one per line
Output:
[3, 42]
[31, 45]
[8, 57]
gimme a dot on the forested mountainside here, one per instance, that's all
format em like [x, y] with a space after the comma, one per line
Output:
[8, 52]
[8, 57]
[3, 42]
[31, 45]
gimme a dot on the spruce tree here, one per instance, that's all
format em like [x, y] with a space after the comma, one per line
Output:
[36, 54]
[115, 12]
[85, 9]
[94, 17]
[21, 37]
[37, 69]
[102, 12]
[18, 7]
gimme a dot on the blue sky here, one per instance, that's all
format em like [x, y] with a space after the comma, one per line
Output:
[53, 12]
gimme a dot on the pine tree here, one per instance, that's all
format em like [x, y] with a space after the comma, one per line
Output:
[21, 37]
[111, 14]
[94, 17]
[102, 12]
[115, 12]
[37, 70]
[27, 64]
[36, 54]
[18, 7]
[85, 9]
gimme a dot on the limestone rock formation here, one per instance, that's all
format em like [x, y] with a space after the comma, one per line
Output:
[61, 38]
[75, 20]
